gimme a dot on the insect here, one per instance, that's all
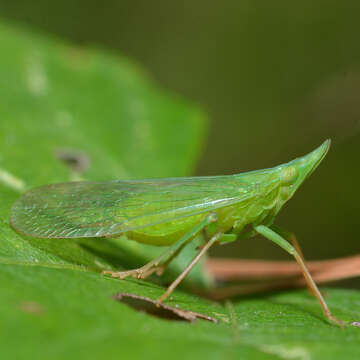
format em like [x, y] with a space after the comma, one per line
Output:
[171, 212]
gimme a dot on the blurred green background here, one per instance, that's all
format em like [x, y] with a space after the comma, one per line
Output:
[275, 78]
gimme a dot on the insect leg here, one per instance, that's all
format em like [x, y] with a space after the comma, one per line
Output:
[279, 240]
[160, 269]
[178, 280]
[289, 236]
[159, 264]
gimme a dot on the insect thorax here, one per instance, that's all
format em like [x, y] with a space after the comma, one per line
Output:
[270, 193]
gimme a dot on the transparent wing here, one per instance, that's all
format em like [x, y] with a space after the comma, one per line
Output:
[96, 209]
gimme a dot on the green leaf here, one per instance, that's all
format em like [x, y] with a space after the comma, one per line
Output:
[70, 314]
[59, 103]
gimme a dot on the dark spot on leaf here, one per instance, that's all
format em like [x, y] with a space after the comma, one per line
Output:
[31, 307]
[76, 160]
[152, 307]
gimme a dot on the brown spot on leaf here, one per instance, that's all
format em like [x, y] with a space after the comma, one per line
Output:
[76, 160]
[159, 309]
[31, 307]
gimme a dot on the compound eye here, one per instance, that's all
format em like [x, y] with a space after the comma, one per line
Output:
[289, 175]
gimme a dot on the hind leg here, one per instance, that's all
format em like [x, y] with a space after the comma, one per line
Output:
[159, 264]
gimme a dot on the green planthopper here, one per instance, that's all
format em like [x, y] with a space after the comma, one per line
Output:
[171, 212]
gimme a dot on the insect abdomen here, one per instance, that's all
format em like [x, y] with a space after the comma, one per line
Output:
[165, 234]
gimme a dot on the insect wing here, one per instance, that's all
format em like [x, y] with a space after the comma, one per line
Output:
[96, 209]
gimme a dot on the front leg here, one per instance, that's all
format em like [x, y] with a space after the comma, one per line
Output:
[289, 236]
[279, 240]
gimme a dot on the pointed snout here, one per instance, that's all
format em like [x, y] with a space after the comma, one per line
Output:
[307, 164]
[311, 161]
